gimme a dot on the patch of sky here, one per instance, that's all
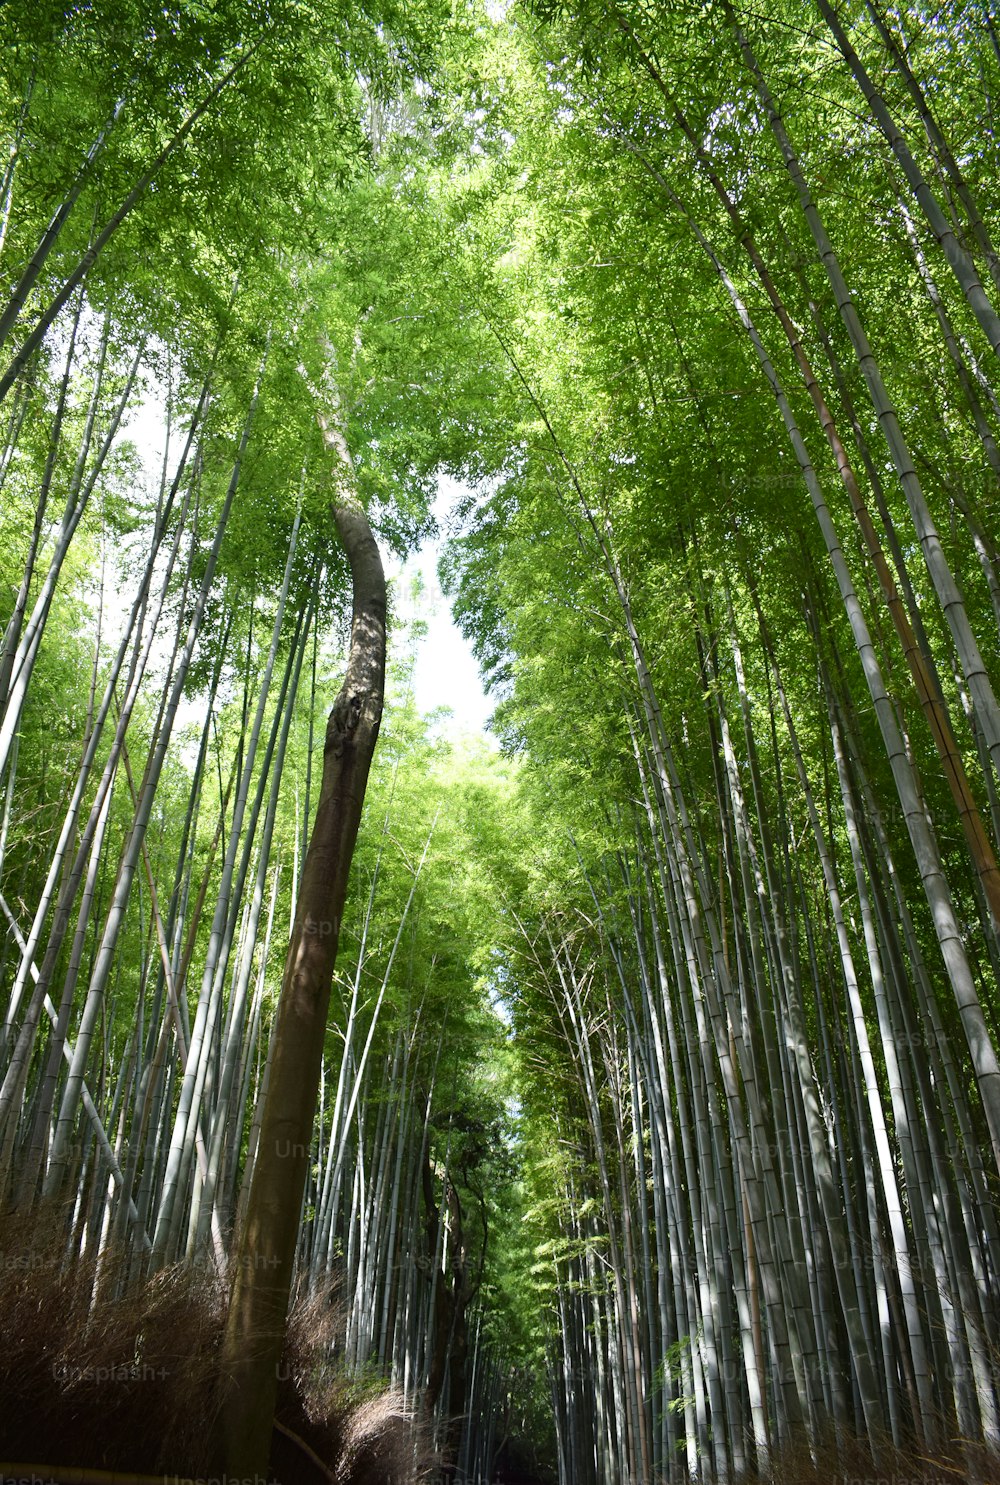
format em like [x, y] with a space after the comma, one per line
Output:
[446, 678]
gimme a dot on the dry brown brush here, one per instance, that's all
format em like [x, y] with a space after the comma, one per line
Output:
[101, 1373]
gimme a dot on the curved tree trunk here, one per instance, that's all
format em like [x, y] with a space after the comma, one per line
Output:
[265, 1250]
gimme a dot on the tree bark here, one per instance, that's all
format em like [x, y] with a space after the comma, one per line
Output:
[265, 1252]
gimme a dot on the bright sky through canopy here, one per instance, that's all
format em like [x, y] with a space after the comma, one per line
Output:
[445, 673]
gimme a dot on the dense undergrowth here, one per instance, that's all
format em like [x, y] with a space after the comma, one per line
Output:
[100, 1372]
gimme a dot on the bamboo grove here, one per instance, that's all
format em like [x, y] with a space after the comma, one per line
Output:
[660, 1112]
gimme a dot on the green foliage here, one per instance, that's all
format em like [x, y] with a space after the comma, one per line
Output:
[468, 240]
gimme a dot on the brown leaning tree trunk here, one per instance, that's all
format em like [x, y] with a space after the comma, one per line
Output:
[264, 1255]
